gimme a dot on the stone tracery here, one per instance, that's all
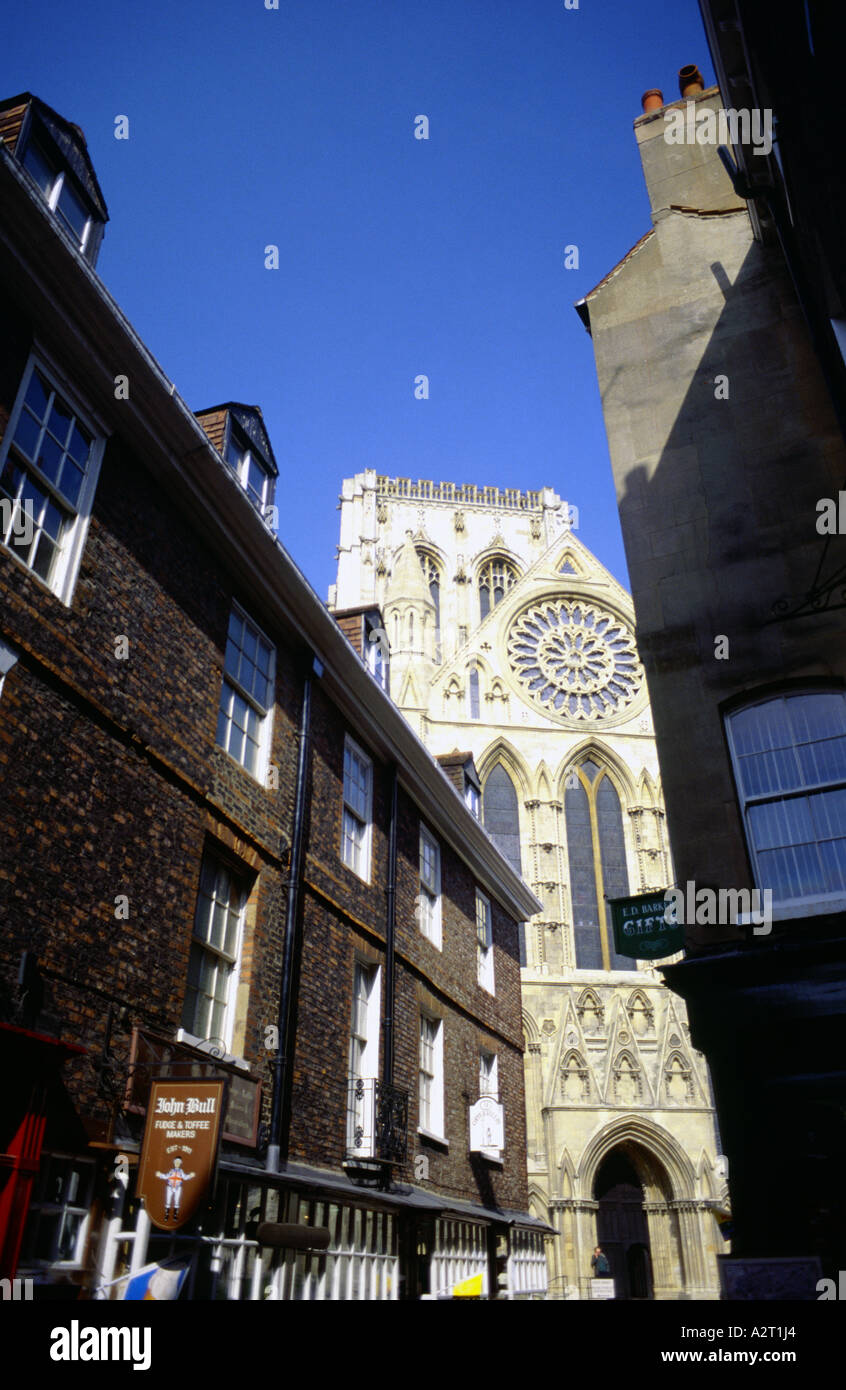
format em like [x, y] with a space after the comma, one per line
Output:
[574, 659]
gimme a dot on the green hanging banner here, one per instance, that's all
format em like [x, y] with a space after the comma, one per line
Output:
[641, 930]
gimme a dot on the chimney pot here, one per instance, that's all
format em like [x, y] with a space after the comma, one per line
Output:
[652, 100]
[691, 81]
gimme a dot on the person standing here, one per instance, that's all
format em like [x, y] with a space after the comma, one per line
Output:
[599, 1264]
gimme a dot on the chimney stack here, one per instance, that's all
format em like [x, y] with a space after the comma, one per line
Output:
[691, 81]
[681, 172]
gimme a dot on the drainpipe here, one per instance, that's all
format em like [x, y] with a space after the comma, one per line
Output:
[280, 1115]
[390, 933]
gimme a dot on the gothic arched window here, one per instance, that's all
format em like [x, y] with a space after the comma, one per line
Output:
[432, 576]
[502, 822]
[595, 837]
[473, 692]
[496, 577]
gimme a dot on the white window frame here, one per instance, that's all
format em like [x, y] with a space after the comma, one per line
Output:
[472, 798]
[241, 467]
[429, 899]
[364, 1057]
[66, 1205]
[366, 1062]
[231, 961]
[488, 1074]
[489, 1086]
[430, 1075]
[785, 907]
[8, 659]
[231, 687]
[69, 557]
[484, 943]
[59, 174]
[376, 659]
[352, 814]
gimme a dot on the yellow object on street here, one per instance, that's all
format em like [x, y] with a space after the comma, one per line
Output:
[469, 1288]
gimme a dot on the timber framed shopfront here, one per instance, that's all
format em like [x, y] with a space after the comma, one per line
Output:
[402, 1245]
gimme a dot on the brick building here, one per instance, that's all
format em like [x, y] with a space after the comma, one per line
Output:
[225, 854]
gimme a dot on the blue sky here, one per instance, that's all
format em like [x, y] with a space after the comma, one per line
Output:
[398, 256]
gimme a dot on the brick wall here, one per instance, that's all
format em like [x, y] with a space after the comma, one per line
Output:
[113, 785]
[344, 920]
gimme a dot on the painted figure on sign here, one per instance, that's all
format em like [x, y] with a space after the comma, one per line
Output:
[173, 1187]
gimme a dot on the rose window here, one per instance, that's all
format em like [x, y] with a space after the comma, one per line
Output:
[575, 660]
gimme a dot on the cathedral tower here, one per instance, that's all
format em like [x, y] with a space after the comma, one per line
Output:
[509, 640]
[410, 613]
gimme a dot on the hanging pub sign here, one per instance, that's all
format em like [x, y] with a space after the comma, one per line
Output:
[152, 1055]
[641, 929]
[179, 1153]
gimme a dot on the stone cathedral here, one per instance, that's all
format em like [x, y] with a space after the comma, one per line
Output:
[510, 642]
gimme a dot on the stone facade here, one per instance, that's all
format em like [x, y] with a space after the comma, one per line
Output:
[509, 640]
[721, 410]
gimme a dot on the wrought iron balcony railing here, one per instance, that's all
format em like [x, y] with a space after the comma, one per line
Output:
[377, 1120]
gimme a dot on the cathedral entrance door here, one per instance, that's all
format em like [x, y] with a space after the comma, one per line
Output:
[621, 1226]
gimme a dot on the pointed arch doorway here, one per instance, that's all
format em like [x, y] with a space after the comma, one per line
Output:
[621, 1225]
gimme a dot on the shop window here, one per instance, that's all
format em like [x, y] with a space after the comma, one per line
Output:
[57, 1223]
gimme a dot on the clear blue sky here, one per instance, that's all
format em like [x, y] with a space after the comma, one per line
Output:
[398, 256]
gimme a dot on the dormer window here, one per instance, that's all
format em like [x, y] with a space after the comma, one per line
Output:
[461, 771]
[53, 152]
[376, 651]
[249, 467]
[64, 198]
[238, 433]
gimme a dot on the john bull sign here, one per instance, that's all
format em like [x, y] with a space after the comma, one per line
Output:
[642, 929]
[180, 1149]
